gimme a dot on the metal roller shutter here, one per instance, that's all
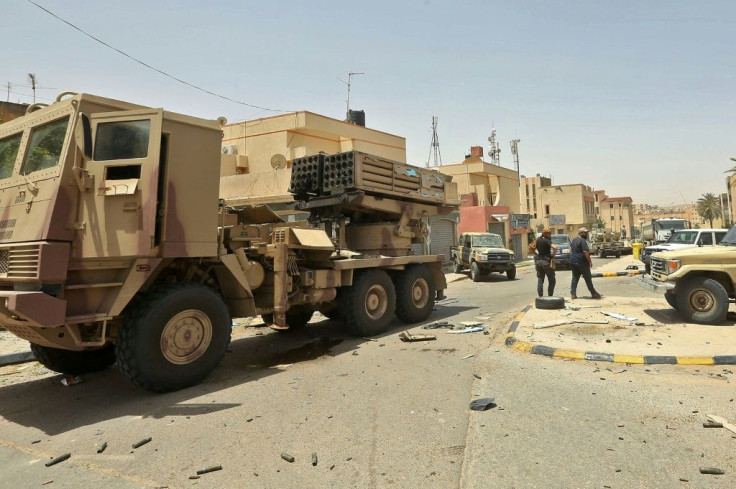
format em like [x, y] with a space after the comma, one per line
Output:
[442, 237]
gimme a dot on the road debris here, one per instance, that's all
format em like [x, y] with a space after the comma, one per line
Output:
[712, 424]
[287, 457]
[477, 376]
[467, 330]
[71, 380]
[47, 482]
[102, 447]
[711, 470]
[35, 441]
[620, 316]
[406, 336]
[58, 459]
[561, 322]
[483, 404]
[142, 442]
[717, 419]
[314, 459]
[207, 470]
[468, 356]
[438, 325]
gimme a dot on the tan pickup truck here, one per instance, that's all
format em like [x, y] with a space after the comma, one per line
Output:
[482, 253]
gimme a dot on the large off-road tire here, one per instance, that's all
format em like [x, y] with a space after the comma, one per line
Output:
[671, 299]
[549, 302]
[475, 273]
[511, 273]
[74, 362]
[415, 293]
[457, 265]
[296, 318]
[368, 306]
[648, 268]
[174, 337]
[702, 300]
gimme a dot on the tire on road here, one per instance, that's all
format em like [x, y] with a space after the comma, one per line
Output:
[475, 273]
[415, 293]
[457, 265]
[70, 362]
[671, 299]
[549, 302]
[368, 306]
[174, 337]
[511, 273]
[702, 300]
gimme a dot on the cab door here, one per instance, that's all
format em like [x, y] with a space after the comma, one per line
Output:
[118, 212]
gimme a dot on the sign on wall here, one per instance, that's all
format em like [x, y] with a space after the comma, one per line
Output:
[520, 220]
[556, 219]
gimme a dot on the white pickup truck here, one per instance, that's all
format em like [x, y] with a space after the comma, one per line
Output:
[681, 239]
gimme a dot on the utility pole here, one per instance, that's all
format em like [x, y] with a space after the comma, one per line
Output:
[32, 79]
[434, 147]
[349, 83]
[8, 99]
[515, 152]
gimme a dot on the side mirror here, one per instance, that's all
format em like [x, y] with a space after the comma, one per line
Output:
[83, 135]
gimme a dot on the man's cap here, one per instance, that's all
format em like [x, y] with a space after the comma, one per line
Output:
[583, 230]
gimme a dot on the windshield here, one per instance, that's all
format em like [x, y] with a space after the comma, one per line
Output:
[679, 224]
[683, 237]
[8, 153]
[560, 239]
[730, 238]
[45, 148]
[488, 240]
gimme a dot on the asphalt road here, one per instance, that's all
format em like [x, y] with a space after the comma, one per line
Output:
[380, 413]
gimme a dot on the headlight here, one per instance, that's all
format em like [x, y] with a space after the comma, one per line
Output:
[671, 266]
[481, 257]
[566, 250]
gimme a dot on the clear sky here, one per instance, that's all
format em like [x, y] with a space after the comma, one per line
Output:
[637, 98]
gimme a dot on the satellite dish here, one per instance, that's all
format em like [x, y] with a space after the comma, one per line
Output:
[278, 162]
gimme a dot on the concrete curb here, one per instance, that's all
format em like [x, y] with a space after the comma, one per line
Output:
[630, 273]
[526, 347]
[20, 357]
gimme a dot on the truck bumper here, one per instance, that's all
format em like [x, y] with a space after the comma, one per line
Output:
[31, 309]
[652, 285]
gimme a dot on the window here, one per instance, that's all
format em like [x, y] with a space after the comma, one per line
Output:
[45, 148]
[546, 209]
[613, 217]
[706, 239]
[610, 206]
[8, 153]
[719, 236]
[122, 140]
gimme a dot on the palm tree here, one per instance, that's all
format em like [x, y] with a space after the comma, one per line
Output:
[709, 207]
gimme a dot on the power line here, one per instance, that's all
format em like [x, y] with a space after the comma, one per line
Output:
[209, 92]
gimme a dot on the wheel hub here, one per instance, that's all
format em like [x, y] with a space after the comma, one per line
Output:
[702, 301]
[376, 302]
[186, 337]
[420, 293]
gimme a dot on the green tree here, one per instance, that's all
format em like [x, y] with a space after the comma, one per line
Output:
[709, 207]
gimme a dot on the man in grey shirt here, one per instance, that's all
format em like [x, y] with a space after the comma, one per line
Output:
[580, 263]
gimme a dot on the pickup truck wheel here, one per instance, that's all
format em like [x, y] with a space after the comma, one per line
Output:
[415, 293]
[549, 302]
[511, 273]
[368, 306]
[671, 299]
[703, 301]
[601, 254]
[74, 362]
[475, 274]
[457, 266]
[618, 255]
[174, 337]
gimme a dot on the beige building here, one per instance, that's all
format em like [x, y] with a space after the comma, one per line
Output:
[528, 194]
[562, 208]
[616, 213]
[257, 154]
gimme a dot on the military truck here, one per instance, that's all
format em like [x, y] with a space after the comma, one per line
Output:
[483, 254]
[699, 282]
[605, 243]
[115, 247]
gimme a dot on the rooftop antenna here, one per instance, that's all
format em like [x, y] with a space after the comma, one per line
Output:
[32, 79]
[349, 83]
[515, 153]
[434, 147]
[495, 151]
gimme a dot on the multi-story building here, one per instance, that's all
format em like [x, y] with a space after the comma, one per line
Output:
[616, 213]
[10, 111]
[528, 193]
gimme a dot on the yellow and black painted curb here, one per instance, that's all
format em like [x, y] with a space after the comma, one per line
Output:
[629, 273]
[526, 347]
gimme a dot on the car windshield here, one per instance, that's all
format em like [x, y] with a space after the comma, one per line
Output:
[683, 237]
[730, 238]
[560, 239]
[488, 240]
[674, 225]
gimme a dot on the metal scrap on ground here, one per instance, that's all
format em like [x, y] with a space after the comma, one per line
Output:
[468, 330]
[406, 336]
[619, 316]
[560, 322]
[717, 419]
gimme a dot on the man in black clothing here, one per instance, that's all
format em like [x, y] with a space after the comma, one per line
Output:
[545, 251]
[580, 264]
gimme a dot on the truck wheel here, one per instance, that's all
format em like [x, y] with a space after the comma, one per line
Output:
[601, 254]
[671, 299]
[511, 273]
[549, 302]
[415, 293]
[457, 266]
[475, 274]
[74, 362]
[368, 306]
[703, 301]
[174, 337]
[618, 255]
[296, 318]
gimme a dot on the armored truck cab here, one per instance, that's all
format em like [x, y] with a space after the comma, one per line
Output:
[114, 246]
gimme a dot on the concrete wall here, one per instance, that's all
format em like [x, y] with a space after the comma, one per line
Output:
[10, 111]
